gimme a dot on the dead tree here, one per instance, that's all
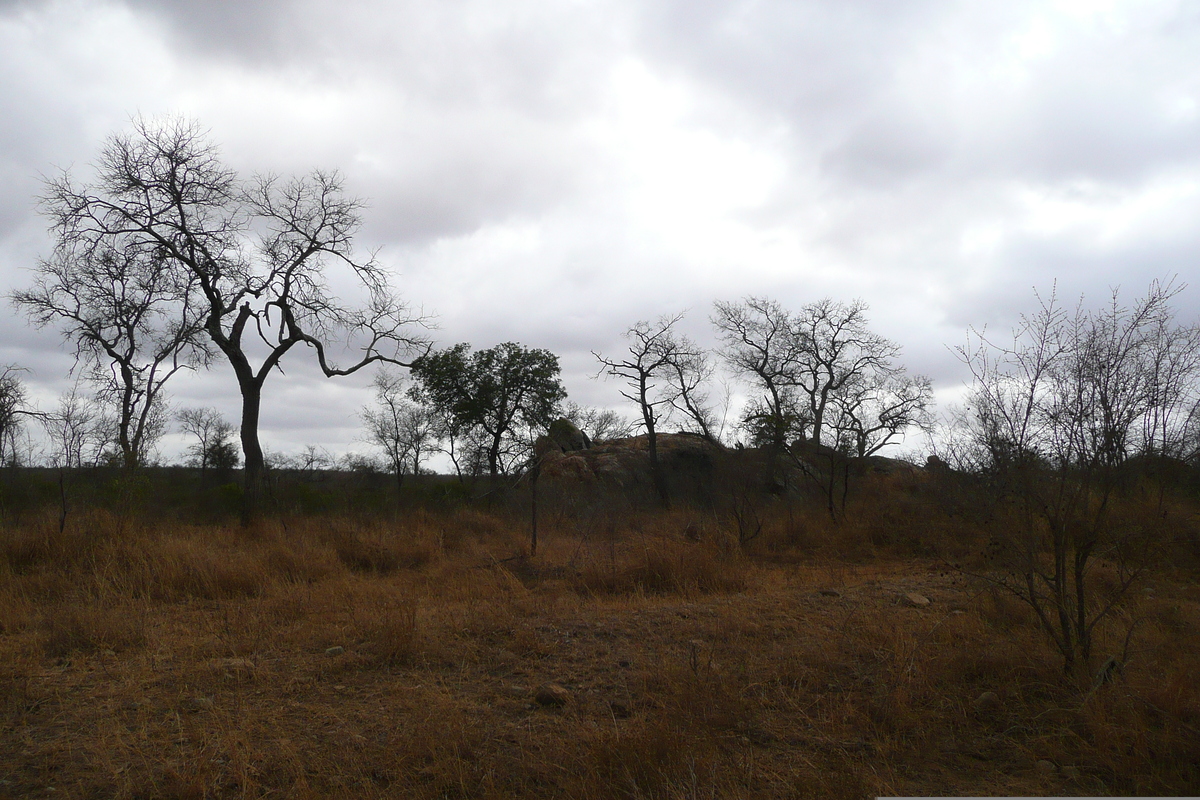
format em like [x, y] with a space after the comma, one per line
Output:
[258, 256]
[654, 350]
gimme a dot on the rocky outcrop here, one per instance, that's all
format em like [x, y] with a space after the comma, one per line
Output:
[819, 458]
[626, 462]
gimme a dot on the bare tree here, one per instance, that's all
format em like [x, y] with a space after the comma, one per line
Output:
[691, 372]
[214, 447]
[654, 350]
[600, 425]
[1174, 388]
[819, 370]
[257, 255]
[836, 353]
[1055, 414]
[406, 432]
[77, 438]
[76, 431]
[133, 326]
[12, 408]
[310, 459]
[759, 342]
[875, 411]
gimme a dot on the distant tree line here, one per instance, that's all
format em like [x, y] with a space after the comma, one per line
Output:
[167, 260]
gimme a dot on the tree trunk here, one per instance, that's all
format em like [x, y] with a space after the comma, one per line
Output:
[252, 473]
[534, 473]
[494, 459]
[656, 471]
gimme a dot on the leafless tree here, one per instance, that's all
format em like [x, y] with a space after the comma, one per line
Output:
[76, 431]
[12, 408]
[759, 342]
[875, 411]
[1055, 415]
[1174, 388]
[258, 255]
[406, 432]
[836, 353]
[310, 459]
[214, 439]
[654, 349]
[691, 371]
[77, 437]
[600, 425]
[823, 374]
[133, 326]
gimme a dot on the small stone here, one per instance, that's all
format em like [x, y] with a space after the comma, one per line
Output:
[988, 701]
[336, 650]
[958, 612]
[914, 600]
[552, 694]
[831, 593]
[236, 668]
[1046, 767]
[200, 704]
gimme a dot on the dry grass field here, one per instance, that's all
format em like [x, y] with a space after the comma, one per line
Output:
[409, 657]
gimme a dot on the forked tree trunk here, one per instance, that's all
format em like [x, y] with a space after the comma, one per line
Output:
[656, 470]
[252, 474]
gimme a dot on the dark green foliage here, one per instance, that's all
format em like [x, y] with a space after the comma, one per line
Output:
[222, 454]
[496, 394]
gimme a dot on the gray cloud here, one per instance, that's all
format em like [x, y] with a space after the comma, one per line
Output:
[550, 173]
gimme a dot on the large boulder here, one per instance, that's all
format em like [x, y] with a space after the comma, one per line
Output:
[568, 437]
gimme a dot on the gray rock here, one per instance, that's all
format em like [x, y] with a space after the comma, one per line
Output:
[336, 650]
[568, 437]
[619, 710]
[200, 703]
[988, 701]
[235, 668]
[552, 694]
[1046, 767]
[914, 600]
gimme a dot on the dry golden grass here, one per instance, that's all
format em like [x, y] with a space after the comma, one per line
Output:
[339, 658]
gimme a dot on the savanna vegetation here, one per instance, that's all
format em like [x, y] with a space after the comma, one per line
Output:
[718, 596]
[746, 644]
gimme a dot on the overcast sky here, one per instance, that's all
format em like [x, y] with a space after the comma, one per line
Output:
[551, 172]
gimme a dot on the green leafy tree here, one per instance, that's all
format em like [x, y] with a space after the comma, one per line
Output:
[494, 397]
